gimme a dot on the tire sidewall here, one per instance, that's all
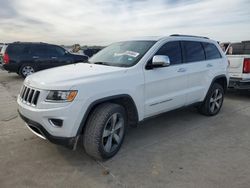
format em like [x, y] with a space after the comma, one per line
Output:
[117, 109]
[211, 91]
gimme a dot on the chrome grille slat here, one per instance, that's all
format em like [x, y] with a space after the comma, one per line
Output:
[22, 90]
[25, 94]
[25, 88]
[29, 96]
[33, 97]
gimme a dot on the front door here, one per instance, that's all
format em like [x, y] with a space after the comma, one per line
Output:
[166, 87]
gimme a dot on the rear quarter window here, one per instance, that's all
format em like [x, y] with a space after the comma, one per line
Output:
[211, 51]
[192, 51]
[17, 49]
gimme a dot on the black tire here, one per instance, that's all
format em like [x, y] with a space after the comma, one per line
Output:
[99, 123]
[22, 70]
[213, 101]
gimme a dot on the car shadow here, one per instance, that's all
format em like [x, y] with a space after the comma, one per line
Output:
[146, 133]
[235, 94]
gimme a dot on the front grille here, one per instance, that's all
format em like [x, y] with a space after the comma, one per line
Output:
[29, 96]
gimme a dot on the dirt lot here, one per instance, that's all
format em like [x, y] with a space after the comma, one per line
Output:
[177, 149]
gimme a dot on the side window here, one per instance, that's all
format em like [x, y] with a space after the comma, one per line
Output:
[18, 49]
[211, 51]
[39, 50]
[173, 51]
[193, 51]
[55, 51]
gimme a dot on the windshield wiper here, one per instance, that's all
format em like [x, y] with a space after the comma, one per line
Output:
[101, 63]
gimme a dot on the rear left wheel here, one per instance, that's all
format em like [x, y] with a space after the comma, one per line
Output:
[26, 70]
[213, 101]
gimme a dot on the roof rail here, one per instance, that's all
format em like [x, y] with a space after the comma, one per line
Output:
[30, 42]
[178, 35]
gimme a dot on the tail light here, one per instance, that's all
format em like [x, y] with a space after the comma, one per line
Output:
[6, 58]
[246, 65]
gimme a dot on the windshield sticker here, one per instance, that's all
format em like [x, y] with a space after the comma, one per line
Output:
[128, 53]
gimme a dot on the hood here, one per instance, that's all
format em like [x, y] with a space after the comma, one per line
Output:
[65, 77]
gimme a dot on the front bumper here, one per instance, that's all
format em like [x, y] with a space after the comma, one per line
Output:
[39, 130]
[44, 113]
[239, 84]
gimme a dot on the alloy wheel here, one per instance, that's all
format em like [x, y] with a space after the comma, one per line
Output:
[27, 70]
[113, 132]
[216, 100]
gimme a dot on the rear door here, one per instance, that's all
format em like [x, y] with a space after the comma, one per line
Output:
[197, 71]
[203, 60]
[165, 87]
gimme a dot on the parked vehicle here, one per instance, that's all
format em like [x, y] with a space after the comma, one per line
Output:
[239, 56]
[123, 84]
[2, 48]
[27, 58]
[91, 51]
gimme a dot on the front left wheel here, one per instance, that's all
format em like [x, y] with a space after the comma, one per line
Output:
[105, 131]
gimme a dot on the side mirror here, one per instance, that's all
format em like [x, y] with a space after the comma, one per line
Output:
[161, 60]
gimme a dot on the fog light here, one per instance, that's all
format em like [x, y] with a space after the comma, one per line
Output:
[56, 122]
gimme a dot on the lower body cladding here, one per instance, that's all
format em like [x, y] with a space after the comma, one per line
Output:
[237, 83]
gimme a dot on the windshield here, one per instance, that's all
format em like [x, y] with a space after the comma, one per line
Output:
[122, 54]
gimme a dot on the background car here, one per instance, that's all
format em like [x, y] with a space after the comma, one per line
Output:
[2, 46]
[25, 58]
[91, 51]
[238, 55]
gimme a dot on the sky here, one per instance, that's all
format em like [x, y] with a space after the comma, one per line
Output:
[101, 22]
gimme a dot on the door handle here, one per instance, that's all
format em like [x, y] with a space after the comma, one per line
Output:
[35, 57]
[53, 57]
[182, 70]
[209, 65]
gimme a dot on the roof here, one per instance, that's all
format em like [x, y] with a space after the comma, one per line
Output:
[156, 38]
[148, 38]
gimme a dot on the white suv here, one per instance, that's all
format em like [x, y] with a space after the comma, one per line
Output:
[121, 85]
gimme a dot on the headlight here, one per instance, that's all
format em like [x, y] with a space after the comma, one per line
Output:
[61, 96]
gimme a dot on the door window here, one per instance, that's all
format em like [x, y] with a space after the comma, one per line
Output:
[55, 51]
[193, 51]
[173, 51]
[39, 50]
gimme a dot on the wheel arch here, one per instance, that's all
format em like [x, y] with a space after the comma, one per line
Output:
[222, 80]
[124, 100]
